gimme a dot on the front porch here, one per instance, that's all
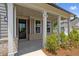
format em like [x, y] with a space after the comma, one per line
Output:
[30, 12]
[34, 38]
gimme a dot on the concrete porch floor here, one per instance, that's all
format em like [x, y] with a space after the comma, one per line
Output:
[29, 48]
[35, 53]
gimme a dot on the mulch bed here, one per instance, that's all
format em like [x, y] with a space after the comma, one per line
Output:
[63, 52]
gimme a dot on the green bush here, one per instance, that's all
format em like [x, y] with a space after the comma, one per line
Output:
[74, 38]
[64, 40]
[52, 43]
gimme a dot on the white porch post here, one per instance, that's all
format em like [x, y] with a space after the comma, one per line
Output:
[68, 26]
[10, 29]
[15, 36]
[59, 28]
[14, 21]
[59, 24]
[44, 27]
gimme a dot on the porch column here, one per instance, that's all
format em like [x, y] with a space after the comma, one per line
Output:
[15, 36]
[14, 10]
[59, 28]
[44, 28]
[10, 29]
[68, 26]
[59, 24]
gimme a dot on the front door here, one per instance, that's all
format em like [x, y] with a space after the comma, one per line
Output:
[22, 28]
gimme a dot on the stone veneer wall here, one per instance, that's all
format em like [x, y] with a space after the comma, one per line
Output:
[3, 48]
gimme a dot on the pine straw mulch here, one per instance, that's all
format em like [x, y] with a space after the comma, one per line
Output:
[63, 52]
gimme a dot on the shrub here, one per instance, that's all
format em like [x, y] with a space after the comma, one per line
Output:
[64, 40]
[52, 43]
[74, 38]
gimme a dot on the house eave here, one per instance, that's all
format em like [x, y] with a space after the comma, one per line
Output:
[54, 5]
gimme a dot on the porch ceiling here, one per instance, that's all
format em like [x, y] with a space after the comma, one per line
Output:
[22, 11]
[41, 7]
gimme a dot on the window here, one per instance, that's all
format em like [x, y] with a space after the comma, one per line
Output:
[48, 26]
[62, 29]
[37, 23]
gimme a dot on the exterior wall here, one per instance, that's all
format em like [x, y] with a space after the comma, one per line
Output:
[33, 34]
[64, 24]
[3, 30]
[3, 48]
[3, 22]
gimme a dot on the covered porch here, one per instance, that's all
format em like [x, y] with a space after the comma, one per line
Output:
[35, 38]
[28, 46]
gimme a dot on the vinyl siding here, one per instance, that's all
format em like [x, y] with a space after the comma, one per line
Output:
[3, 22]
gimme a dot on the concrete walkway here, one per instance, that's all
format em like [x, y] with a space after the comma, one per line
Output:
[32, 48]
[35, 53]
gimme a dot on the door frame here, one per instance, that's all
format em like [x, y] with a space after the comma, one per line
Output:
[27, 33]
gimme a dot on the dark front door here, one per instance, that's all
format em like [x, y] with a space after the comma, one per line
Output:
[22, 29]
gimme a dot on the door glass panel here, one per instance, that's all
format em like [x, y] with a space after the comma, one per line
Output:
[22, 29]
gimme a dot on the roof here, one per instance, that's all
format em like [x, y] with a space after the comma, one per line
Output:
[56, 6]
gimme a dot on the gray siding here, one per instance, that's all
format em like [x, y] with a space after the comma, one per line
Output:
[3, 21]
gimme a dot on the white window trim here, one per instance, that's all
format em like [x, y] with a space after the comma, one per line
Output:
[50, 25]
[35, 26]
[40, 26]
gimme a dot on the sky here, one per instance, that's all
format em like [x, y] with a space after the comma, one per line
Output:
[72, 7]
